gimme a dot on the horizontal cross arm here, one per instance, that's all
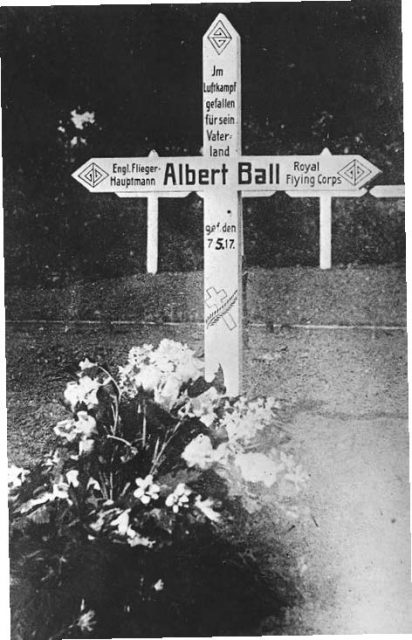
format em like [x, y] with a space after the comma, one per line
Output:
[155, 194]
[332, 194]
[388, 191]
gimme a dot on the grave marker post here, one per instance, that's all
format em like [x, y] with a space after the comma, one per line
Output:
[152, 239]
[325, 231]
[222, 176]
[152, 233]
[325, 219]
[223, 243]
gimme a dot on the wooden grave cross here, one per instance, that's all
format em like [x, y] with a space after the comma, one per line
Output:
[222, 176]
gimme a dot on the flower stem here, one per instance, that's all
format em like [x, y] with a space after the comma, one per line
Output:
[111, 485]
[124, 490]
[119, 393]
[144, 426]
[115, 409]
[157, 456]
[103, 486]
[120, 440]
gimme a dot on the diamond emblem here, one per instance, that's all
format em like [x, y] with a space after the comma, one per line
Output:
[219, 37]
[354, 172]
[93, 175]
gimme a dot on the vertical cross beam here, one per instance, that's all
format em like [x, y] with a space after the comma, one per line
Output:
[325, 231]
[152, 239]
[152, 248]
[325, 218]
[222, 208]
[152, 233]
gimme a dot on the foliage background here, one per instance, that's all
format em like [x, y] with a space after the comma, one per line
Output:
[313, 75]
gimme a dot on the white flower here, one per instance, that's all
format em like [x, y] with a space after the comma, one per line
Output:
[199, 452]
[134, 539]
[88, 391]
[189, 367]
[167, 355]
[205, 506]
[66, 429]
[245, 419]
[203, 406]
[148, 377]
[85, 425]
[83, 391]
[237, 427]
[60, 491]
[86, 446]
[87, 619]
[179, 498]
[16, 476]
[162, 371]
[256, 467]
[71, 394]
[122, 522]
[167, 394]
[86, 364]
[221, 453]
[73, 478]
[140, 355]
[93, 484]
[146, 489]
[171, 356]
[80, 119]
[159, 585]
[98, 524]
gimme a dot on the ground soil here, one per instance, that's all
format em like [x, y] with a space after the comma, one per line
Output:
[346, 399]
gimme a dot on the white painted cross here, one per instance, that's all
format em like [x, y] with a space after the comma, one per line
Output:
[223, 237]
[222, 176]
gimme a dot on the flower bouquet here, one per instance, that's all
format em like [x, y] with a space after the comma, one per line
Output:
[136, 524]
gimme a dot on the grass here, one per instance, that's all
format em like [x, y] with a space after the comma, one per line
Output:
[362, 295]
